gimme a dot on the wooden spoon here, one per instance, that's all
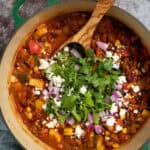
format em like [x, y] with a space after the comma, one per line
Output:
[84, 36]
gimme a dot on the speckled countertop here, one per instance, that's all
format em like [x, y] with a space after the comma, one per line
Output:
[138, 8]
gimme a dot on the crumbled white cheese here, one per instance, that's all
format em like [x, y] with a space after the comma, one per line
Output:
[122, 112]
[58, 103]
[45, 97]
[51, 116]
[66, 49]
[78, 131]
[118, 128]
[52, 62]
[37, 92]
[126, 103]
[116, 66]
[135, 111]
[115, 58]
[44, 122]
[52, 124]
[13, 79]
[48, 70]
[120, 103]
[109, 54]
[107, 138]
[44, 106]
[135, 88]
[114, 108]
[121, 79]
[49, 75]
[38, 89]
[83, 89]
[57, 80]
[44, 64]
[70, 92]
[110, 121]
[143, 70]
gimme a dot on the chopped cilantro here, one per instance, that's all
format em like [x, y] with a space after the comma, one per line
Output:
[97, 74]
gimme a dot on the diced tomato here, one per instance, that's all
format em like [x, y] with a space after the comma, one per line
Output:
[125, 53]
[125, 86]
[43, 133]
[99, 52]
[34, 47]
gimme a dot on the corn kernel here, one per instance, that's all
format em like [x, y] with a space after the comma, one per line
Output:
[91, 134]
[110, 128]
[35, 69]
[140, 119]
[124, 130]
[115, 145]
[107, 133]
[28, 115]
[68, 131]
[39, 104]
[118, 44]
[136, 71]
[145, 113]
[99, 142]
[102, 147]
[43, 51]
[46, 44]
[36, 82]
[42, 31]
[28, 109]
[122, 117]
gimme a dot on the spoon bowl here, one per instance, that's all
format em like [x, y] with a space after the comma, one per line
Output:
[83, 37]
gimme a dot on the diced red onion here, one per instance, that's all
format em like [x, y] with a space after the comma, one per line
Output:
[90, 118]
[116, 95]
[98, 129]
[105, 115]
[75, 53]
[89, 126]
[70, 120]
[62, 112]
[118, 86]
[57, 97]
[45, 92]
[104, 118]
[102, 45]
[53, 90]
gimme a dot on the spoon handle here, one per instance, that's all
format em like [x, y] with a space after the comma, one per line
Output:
[85, 34]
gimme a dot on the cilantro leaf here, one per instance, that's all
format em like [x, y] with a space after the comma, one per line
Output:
[68, 102]
[88, 99]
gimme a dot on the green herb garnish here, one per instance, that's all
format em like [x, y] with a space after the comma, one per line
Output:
[96, 74]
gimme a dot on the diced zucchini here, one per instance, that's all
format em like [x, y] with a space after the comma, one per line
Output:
[23, 78]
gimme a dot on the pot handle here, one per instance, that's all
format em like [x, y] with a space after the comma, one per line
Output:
[15, 11]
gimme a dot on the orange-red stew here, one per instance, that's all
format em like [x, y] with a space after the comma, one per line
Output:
[72, 102]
